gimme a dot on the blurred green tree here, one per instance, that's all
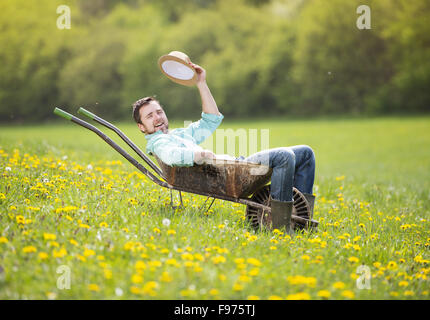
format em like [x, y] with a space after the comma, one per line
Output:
[246, 52]
[406, 31]
[33, 52]
[336, 65]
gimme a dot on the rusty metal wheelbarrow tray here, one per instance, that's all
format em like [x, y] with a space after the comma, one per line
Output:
[238, 179]
[227, 180]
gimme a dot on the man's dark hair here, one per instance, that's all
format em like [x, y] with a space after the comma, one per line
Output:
[139, 104]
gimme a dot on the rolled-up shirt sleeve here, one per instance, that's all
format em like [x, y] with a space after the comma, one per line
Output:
[173, 155]
[202, 129]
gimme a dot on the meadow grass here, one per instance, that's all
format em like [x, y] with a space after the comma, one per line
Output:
[68, 199]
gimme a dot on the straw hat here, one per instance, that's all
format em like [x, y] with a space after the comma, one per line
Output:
[175, 66]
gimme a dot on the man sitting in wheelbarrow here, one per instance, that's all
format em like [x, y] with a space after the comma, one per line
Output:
[292, 166]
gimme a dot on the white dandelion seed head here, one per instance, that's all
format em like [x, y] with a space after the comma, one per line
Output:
[118, 292]
[166, 222]
[8, 169]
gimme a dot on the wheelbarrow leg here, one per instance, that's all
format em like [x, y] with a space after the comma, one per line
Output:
[180, 197]
[205, 204]
[171, 200]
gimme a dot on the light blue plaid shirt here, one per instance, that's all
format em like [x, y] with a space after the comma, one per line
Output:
[177, 147]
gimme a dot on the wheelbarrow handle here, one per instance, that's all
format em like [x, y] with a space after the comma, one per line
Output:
[124, 138]
[63, 114]
[109, 141]
[87, 113]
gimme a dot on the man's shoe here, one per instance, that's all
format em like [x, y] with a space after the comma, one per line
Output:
[310, 198]
[281, 215]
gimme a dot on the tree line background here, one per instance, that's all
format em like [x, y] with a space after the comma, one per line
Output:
[263, 57]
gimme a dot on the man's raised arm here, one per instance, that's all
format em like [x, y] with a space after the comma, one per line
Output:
[208, 101]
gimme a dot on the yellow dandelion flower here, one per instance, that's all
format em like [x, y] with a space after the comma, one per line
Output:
[60, 253]
[348, 294]
[403, 284]
[213, 292]
[274, 297]
[252, 297]
[82, 258]
[408, 293]
[339, 285]
[299, 296]
[356, 247]
[392, 265]
[149, 287]
[187, 292]
[154, 263]
[237, 286]
[253, 262]
[54, 244]
[20, 219]
[199, 257]
[172, 262]
[324, 294]
[107, 273]
[89, 252]
[244, 278]
[134, 290]
[299, 280]
[218, 259]
[93, 287]
[3, 240]
[136, 278]
[49, 236]
[43, 255]
[254, 272]
[165, 277]
[73, 241]
[354, 276]
[187, 256]
[140, 265]
[353, 259]
[29, 249]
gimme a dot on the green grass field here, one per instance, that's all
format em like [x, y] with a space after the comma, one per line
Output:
[70, 205]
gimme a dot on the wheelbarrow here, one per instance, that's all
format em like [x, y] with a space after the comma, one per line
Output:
[231, 180]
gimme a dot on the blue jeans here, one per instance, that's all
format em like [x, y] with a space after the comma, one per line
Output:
[292, 167]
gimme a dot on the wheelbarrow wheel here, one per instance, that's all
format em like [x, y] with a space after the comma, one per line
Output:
[260, 218]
